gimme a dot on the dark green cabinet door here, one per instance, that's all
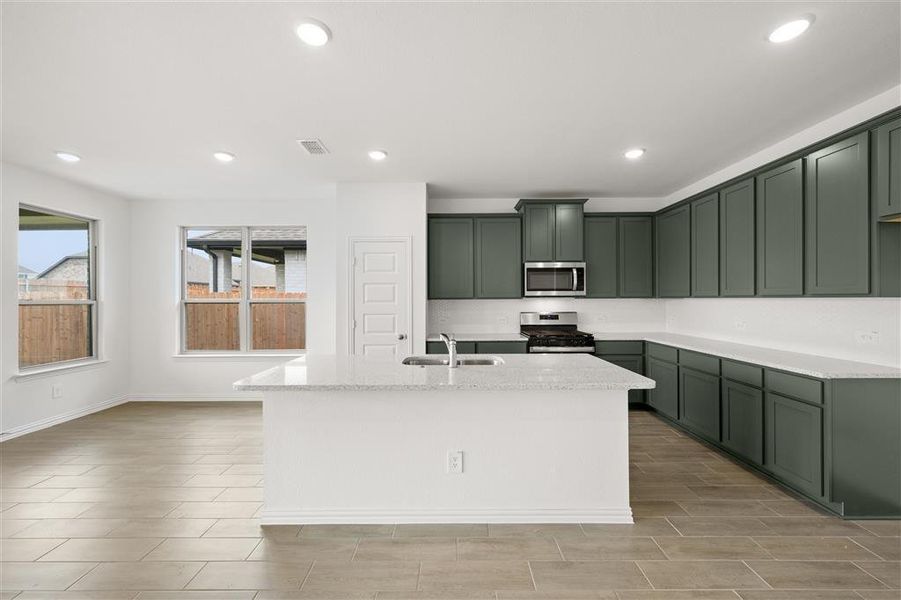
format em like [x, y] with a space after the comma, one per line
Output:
[742, 426]
[780, 231]
[737, 239]
[507, 347]
[794, 443]
[568, 231]
[498, 257]
[539, 224]
[705, 246]
[837, 225]
[600, 257]
[634, 363]
[636, 257]
[699, 402]
[888, 169]
[441, 348]
[665, 397]
[673, 229]
[450, 257]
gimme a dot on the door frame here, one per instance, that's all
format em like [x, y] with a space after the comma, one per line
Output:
[351, 305]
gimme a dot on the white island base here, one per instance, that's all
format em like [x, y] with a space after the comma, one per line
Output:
[529, 456]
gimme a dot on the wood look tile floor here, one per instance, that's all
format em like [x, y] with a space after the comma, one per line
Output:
[160, 501]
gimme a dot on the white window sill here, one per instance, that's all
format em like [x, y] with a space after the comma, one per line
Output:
[240, 355]
[51, 370]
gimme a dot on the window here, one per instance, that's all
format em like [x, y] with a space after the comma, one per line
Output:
[57, 288]
[244, 289]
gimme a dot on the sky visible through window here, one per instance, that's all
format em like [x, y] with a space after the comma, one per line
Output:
[40, 249]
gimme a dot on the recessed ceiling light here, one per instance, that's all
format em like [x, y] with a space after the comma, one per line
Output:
[68, 157]
[634, 153]
[790, 30]
[225, 157]
[314, 33]
[378, 155]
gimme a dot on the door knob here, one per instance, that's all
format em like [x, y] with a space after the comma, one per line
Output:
[401, 336]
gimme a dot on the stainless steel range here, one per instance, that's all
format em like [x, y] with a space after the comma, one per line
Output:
[554, 332]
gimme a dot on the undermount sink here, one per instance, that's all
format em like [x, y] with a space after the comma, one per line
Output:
[443, 361]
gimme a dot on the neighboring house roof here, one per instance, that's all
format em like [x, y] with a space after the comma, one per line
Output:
[197, 270]
[77, 255]
[25, 271]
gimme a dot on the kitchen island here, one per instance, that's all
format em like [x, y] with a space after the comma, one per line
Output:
[536, 439]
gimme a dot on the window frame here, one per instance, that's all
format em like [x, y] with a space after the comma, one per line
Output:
[93, 300]
[245, 300]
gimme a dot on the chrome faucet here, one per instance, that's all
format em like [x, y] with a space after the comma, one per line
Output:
[451, 344]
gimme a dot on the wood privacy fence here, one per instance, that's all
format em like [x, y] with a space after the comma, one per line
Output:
[215, 326]
[53, 332]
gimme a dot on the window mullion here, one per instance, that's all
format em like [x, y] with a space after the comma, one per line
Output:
[244, 318]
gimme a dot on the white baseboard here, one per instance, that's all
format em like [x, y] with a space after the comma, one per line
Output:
[465, 515]
[244, 397]
[62, 418]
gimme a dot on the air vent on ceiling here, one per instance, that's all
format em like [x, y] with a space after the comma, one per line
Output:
[313, 146]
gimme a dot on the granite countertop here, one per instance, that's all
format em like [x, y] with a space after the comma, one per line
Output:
[822, 367]
[525, 372]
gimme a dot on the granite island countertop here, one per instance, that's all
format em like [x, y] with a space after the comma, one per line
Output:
[520, 372]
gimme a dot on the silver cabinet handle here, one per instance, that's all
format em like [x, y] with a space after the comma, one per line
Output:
[401, 336]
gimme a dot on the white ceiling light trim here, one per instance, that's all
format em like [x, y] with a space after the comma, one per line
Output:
[378, 155]
[225, 157]
[68, 157]
[634, 153]
[789, 31]
[314, 33]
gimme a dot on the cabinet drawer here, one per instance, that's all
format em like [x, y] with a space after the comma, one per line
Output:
[441, 348]
[619, 347]
[500, 347]
[663, 352]
[699, 362]
[799, 387]
[742, 372]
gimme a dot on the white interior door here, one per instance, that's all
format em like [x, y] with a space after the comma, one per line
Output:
[381, 297]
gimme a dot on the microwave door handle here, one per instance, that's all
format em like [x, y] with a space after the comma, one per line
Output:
[575, 279]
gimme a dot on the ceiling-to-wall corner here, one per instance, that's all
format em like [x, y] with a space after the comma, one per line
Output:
[868, 109]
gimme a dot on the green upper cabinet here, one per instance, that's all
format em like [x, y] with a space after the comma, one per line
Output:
[600, 257]
[673, 229]
[552, 231]
[888, 170]
[705, 246]
[737, 239]
[498, 257]
[568, 231]
[837, 225]
[780, 231]
[450, 257]
[538, 223]
[636, 257]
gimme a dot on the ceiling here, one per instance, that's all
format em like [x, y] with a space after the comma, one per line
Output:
[478, 100]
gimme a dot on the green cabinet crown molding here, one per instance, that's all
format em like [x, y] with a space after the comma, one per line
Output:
[837, 227]
[737, 244]
[673, 232]
[780, 231]
[705, 246]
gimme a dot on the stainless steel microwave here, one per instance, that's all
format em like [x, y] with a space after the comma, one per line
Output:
[554, 278]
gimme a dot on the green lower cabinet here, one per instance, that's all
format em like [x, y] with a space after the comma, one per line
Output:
[742, 420]
[498, 257]
[634, 363]
[699, 402]
[441, 348]
[794, 443]
[501, 347]
[665, 397]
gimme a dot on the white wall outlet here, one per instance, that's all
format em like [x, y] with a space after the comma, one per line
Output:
[455, 461]
[56, 390]
[741, 325]
[866, 337]
[501, 321]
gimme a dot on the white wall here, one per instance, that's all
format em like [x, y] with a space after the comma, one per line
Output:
[382, 209]
[837, 327]
[27, 403]
[502, 316]
[155, 370]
